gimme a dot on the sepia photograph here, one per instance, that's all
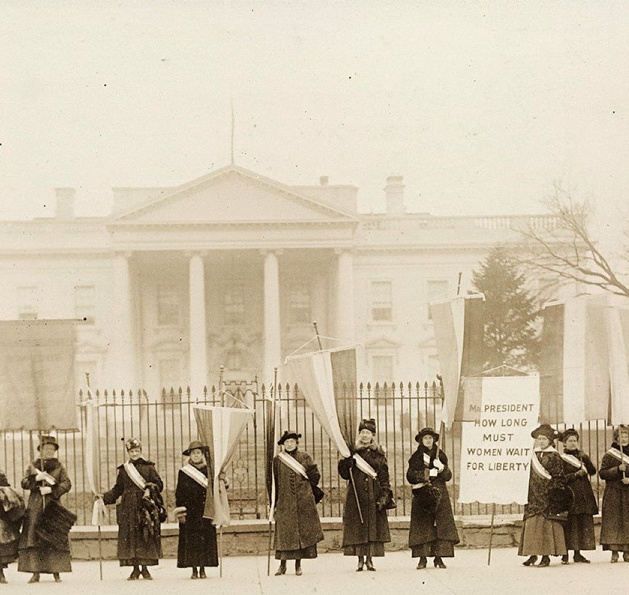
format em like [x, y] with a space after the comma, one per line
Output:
[314, 296]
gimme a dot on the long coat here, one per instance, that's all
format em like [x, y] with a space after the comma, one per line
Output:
[615, 509]
[34, 509]
[197, 536]
[538, 494]
[11, 513]
[584, 499]
[135, 545]
[426, 527]
[297, 524]
[371, 493]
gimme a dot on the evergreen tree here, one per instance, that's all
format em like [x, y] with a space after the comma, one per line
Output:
[511, 335]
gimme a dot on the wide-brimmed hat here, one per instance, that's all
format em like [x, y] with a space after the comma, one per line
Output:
[47, 439]
[288, 434]
[368, 424]
[193, 446]
[545, 430]
[426, 432]
[132, 443]
[567, 433]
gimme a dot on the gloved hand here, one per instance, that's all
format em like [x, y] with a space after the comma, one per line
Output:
[381, 504]
[45, 491]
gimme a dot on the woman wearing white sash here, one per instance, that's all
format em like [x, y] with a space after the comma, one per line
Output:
[138, 485]
[579, 529]
[197, 548]
[615, 510]
[297, 524]
[368, 469]
[542, 532]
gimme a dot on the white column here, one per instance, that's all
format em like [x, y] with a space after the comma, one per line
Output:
[198, 325]
[272, 324]
[122, 355]
[345, 296]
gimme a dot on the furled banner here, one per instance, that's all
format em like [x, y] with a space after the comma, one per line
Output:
[220, 429]
[617, 325]
[89, 409]
[574, 369]
[496, 449]
[459, 328]
[271, 438]
[327, 379]
[37, 375]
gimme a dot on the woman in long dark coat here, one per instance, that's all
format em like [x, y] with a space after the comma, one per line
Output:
[579, 529]
[297, 524]
[197, 536]
[542, 531]
[11, 513]
[432, 531]
[47, 480]
[139, 534]
[366, 539]
[615, 509]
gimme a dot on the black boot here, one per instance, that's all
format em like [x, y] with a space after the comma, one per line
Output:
[146, 574]
[202, 572]
[361, 563]
[3, 579]
[530, 561]
[57, 577]
[34, 578]
[135, 574]
[545, 561]
[578, 557]
[369, 564]
[564, 559]
[195, 574]
[422, 563]
[614, 557]
[282, 569]
[298, 567]
[439, 562]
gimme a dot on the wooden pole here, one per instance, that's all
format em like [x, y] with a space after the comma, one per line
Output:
[271, 503]
[351, 480]
[220, 550]
[268, 555]
[314, 323]
[491, 533]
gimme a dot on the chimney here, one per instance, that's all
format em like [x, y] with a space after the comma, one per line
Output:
[323, 180]
[65, 203]
[394, 192]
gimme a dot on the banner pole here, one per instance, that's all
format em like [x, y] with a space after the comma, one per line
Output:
[351, 479]
[314, 323]
[268, 555]
[491, 533]
[220, 549]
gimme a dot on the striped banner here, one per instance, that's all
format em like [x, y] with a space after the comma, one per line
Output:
[459, 328]
[574, 376]
[220, 428]
[325, 379]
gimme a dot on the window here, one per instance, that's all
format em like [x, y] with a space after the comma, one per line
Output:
[170, 373]
[168, 305]
[27, 303]
[84, 303]
[300, 305]
[435, 291]
[382, 368]
[381, 301]
[234, 305]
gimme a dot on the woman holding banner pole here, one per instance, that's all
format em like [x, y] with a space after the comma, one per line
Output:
[578, 467]
[297, 524]
[432, 532]
[548, 499]
[197, 547]
[365, 537]
[615, 510]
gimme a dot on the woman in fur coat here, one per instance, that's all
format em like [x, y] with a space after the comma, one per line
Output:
[369, 471]
[432, 532]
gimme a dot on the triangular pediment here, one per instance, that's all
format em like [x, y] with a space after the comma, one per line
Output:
[232, 195]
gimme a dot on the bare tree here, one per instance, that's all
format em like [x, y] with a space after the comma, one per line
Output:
[568, 252]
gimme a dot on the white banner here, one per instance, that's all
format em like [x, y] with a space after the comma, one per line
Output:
[496, 449]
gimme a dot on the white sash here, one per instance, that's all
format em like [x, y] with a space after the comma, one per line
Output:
[134, 475]
[49, 479]
[436, 464]
[537, 465]
[618, 454]
[292, 464]
[192, 472]
[573, 461]
[364, 466]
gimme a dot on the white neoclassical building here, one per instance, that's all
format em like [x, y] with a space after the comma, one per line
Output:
[232, 268]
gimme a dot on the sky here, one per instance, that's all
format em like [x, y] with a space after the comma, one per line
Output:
[482, 107]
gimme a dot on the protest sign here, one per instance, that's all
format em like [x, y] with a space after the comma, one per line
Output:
[496, 448]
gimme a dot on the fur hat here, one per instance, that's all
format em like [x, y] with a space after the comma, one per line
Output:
[47, 439]
[133, 443]
[193, 446]
[620, 428]
[286, 435]
[426, 432]
[569, 432]
[368, 424]
[545, 430]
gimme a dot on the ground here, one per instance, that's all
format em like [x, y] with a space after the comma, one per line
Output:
[333, 573]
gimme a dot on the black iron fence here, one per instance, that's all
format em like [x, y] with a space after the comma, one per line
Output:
[165, 425]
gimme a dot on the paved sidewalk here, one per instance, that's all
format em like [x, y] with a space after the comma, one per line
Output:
[333, 573]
